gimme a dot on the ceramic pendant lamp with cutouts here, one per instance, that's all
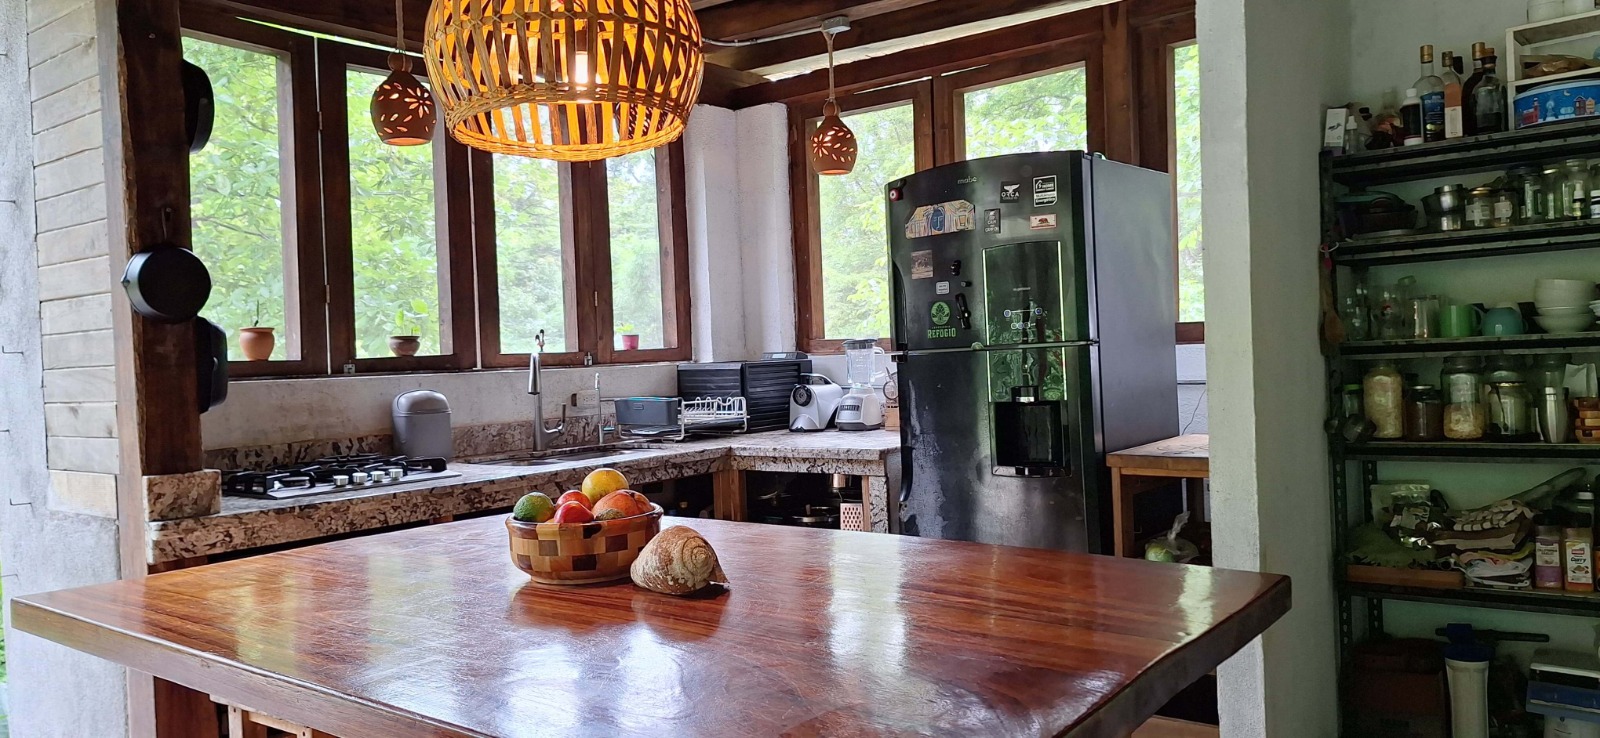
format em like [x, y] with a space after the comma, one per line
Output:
[569, 80]
[833, 146]
[402, 107]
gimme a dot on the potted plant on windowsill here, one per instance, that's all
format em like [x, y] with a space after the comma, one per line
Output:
[408, 329]
[628, 337]
[257, 342]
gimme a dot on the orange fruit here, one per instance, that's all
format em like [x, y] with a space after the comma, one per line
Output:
[625, 502]
[602, 482]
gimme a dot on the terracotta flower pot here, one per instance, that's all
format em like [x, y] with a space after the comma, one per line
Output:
[257, 343]
[630, 342]
[405, 345]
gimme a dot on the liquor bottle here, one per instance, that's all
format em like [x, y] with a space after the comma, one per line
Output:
[1411, 118]
[1454, 120]
[1468, 103]
[1486, 98]
[1430, 89]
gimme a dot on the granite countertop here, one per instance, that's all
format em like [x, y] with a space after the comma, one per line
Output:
[246, 523]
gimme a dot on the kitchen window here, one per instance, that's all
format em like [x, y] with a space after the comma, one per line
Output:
[1186, 180]
[1047, 111]
[343, 243]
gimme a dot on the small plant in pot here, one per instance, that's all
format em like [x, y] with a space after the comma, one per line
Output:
[257, 342]
[408, 329]
[628, 336]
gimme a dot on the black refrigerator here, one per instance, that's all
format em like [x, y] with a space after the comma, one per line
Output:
[1034, 300]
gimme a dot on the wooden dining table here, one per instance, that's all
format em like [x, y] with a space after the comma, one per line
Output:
[433, 632]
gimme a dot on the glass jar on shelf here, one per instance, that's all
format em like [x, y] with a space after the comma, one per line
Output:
[1549, 370]
[1383, 397]
[1465, 418]
[1503, 209]
[1575, 190]
[1480, 207]
[1510, 406]
[1554, 179]
[1424, 414]
[1527, 189]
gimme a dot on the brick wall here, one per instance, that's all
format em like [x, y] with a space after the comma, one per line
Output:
[75, 277]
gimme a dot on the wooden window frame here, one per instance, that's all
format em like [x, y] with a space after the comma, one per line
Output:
[805, 205]
[586, 261]
[1154, 43]
[949, 92]
[305, 292]
[452, 225]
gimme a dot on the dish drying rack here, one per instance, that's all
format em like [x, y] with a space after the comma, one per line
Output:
[706, 415]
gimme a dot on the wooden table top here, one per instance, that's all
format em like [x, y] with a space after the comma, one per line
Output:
[1181, 453]
[433, 632]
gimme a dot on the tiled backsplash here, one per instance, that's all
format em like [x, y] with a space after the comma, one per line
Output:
[470, 441]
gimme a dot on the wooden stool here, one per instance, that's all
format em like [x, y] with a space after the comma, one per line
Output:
[1146, 467]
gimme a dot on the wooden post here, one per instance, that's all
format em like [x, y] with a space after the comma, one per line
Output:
[1121, 143]
[728, 494]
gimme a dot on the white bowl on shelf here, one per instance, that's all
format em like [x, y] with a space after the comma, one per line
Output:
[1564, 323]
[1565, 310]
[1562, 292]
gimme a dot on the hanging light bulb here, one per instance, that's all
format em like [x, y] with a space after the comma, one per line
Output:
[833, 145]
[570, 80]
[402, 108]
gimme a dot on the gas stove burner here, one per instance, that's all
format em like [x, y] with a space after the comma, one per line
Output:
[334, 473]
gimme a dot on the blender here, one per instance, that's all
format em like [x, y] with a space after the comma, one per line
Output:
[862, 406]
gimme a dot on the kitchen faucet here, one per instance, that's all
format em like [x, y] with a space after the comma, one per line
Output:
[542, 434]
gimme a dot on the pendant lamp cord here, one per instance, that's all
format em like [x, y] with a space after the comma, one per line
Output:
[399, 27]
[828, 37]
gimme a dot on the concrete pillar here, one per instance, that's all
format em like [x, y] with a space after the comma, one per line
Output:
[1268, 68]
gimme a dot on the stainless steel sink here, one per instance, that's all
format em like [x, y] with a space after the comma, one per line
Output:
[556, 457]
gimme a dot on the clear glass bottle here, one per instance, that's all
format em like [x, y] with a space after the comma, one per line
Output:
[1575, 190]
[1430, 88]
[1464, 414]
[1528, 187]
[1455, 125]
[1383, 398]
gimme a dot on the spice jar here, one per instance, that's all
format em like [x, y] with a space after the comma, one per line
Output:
[1464, 416]
[1547, 559]
[1383, 394]
[1480, 207]
[1575, 190]
[1425, 414]
[1554, 178]
[1504, 212]
[1527, 189]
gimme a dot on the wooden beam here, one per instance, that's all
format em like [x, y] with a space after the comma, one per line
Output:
[754, 18]
[719, 84]
[361, 20]
[1121, 140]
[925, 18]
[962, 53]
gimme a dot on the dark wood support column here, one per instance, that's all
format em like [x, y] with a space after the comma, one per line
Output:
[1121, 141]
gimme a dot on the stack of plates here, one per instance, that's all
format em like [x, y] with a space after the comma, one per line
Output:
[1565, 305]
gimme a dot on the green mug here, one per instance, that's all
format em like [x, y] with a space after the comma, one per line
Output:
[1460, 321]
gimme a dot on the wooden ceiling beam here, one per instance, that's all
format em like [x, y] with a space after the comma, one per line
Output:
[932, 60]
[360, 20]
[755, 18]
[888, 27]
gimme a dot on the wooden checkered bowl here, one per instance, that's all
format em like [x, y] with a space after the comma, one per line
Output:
[581, 553]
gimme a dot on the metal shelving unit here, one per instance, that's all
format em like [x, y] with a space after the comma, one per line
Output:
[1355, 466]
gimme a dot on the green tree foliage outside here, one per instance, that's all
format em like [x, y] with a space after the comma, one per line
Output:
[528, 255]
[1186, 129]
[1044, 113]
[236, 201]
[855, 251]
[635, 249]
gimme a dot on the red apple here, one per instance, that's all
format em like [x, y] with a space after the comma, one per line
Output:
[626, 502]
[574, 496]
[572, 512]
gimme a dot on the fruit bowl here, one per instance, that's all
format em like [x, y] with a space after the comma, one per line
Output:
[581, 553]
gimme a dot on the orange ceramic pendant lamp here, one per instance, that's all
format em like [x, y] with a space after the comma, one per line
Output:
[402, 108]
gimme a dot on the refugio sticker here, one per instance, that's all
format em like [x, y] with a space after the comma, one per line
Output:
[1044, 191]
[1010, 192]
[922, 265]
[1042, 222]
[991, 221]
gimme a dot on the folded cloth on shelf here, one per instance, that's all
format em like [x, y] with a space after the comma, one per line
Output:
[1498, 570]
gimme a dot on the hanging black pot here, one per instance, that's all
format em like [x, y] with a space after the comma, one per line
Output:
[211, 363]
[199, 106]
[167, 283]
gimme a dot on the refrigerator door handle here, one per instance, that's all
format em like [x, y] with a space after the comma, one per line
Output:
[905, 473]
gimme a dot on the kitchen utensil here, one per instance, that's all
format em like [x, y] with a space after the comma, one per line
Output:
[1389, 311]
[1504, 320]
[813, 402]
[199, 106]
[862, 406]
[421, 420]
[1362, 213]
[647, 411]
[1460, 321]
[167, 283]
[764, 384]
[1564, 323]
[1357, 323]
[1424, 316]
[1446, 207]
[1585, 310]
[581, 553]
[1555, 102]
[211, 363]
[1562, 292]
[1555, 422]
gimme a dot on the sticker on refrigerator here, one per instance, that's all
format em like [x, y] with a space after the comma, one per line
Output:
[937, 220]
[991, 221]
[1044, 191]
[941, 288]
[940, 313]
[1010, 192]
[922, 265]
[1042, 222]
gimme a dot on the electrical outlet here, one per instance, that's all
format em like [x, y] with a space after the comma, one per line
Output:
[585, 399]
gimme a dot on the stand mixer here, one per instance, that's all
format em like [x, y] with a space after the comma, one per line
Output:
[862, 406]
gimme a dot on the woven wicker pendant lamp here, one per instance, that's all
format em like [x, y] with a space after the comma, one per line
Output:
[833, 146]
[402, 108]
[570, 80]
